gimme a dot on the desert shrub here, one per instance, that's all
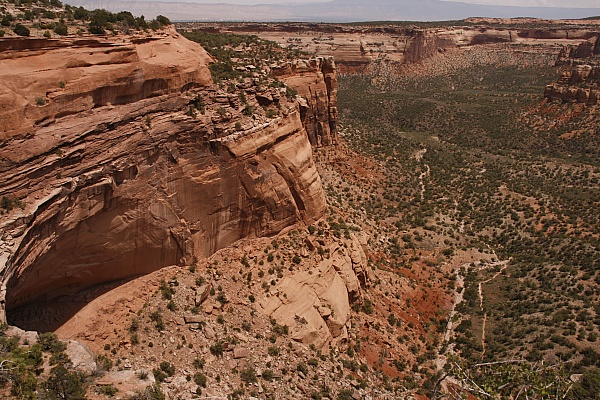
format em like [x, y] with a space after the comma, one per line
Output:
[21, 30]
[64, 384]
[50, 342]
[150, 393]
[248, 375]
[167, 367]
[217, 348]
[301, 367]
[108, 390]
[200, 379]
[156, 317]
[61, 29]
[162, 20]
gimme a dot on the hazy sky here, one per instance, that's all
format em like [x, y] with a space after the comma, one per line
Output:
[540, 3]
[522, 3]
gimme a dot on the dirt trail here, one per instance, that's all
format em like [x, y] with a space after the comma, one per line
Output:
[503, 265]
[458, 298]
[419, 156]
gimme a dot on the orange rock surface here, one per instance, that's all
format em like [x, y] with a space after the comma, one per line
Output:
[119, 178]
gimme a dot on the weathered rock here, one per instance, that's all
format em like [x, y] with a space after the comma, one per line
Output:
[209, 333]
[128, 380]
[315, 304]
[193, 319]
[325, 312]
[309, 244]
[581, 82]
[180, 388]
[94, 72]
[81, 356]
[25, 337]
[139, 183]
[315, 81]
[240, 352]
[202, 294]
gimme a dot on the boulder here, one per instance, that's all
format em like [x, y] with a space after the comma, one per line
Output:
[202, 294]
[315, 304]
[127, 380]
[193, 319]
[240, 352]
[25, 337]
[81, 356]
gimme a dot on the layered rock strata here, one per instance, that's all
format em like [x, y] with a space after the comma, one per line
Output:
[316, 82]
[44, 79]
[118, 180]
[581, 82]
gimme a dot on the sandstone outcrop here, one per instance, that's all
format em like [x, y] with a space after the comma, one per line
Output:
[81, 356]
[315, 81]
[45, 79]
[581, 82]
[140, 162]
[315, 304]
[582, 53]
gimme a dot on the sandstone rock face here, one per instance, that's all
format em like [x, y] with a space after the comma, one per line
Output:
[424, 44]
[127, 381]
[574, 55]
[25, 337]
[567, 94]
[81, 356]
[128, 180]
[315, 304]
[581, 83]
[49, 78]
[316, 82]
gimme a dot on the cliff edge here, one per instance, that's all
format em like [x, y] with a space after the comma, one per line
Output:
[125, 157]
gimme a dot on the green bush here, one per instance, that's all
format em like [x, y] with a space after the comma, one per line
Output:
[108, 390]
[64, 384]
[159, 375]
[217, 349]
[200, 379]
[268, 375]
[162, 20]
[167, 367]
[61, 29]
[156, 317]
[150, 393]
[248, 375]
[301, 367]
[21, 30]
[50, 342]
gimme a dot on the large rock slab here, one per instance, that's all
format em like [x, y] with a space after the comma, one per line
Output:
[315, 303]
[81, 356]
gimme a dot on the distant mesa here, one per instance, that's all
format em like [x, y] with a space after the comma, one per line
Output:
[333, 11]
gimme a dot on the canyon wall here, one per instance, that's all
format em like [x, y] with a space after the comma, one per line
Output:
[356, 47]
[316, 83]
[580, 82]
[136, 161]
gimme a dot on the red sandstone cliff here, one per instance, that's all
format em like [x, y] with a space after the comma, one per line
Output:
[120, 174]
[581, 82]
[316, 83]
